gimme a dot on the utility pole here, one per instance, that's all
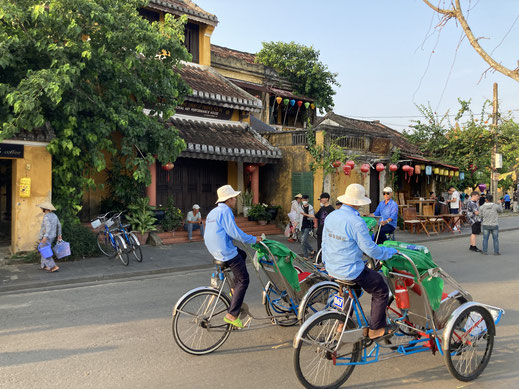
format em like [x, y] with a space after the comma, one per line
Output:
[493, 180]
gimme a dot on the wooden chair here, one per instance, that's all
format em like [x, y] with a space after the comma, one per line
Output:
[401, 203]
[411, 219]
[436, 223]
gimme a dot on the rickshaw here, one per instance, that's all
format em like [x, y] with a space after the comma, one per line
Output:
[294, 290]
[430, 310]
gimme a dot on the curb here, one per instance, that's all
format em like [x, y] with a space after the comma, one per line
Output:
[112, 277]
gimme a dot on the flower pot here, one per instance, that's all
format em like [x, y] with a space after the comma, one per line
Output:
[142, 237]
[246, 210]
[251, 219]
[262, 222]
[273, 213]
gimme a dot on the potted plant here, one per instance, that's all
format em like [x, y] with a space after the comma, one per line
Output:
[246, 198]
[173, 217]
[259, 213]
[140, 216]
[273, 210]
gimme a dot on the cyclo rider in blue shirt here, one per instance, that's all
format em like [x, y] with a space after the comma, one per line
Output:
[345, 238]
[220, 229]
[388, 211]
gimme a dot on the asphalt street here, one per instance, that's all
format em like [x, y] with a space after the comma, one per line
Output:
[117, 334]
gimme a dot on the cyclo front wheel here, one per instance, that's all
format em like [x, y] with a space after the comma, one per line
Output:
[470, 343]
[319, 361]
[318, 300]
[198, 326]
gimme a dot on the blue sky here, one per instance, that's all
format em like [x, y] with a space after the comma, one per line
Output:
[382, 48]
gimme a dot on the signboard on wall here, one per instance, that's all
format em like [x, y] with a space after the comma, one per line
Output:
[204, 110]
[11, 151]
[380, 146]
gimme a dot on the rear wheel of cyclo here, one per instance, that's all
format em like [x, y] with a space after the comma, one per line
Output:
[198, 326]
[135, 247]
[278, 304]
[319, 300]
[105, 245]
[313, 360]
[470, 343]
[122, 254]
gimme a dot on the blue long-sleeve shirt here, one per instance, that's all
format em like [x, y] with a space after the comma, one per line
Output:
[386, 211]
[220, 229]
[345, 238]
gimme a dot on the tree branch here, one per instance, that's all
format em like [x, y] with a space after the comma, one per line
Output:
[448, 12]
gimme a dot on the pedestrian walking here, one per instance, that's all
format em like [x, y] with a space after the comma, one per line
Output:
[294, 216]
[489, 215]
[454, 204]
[506, 198]
[194, 222]
[220, 230]
[515, 198]
[474, 219]
[307, 223]
[50, 229]
[321, 215]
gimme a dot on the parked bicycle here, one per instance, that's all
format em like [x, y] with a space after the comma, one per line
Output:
[132, 243]
[109, 240]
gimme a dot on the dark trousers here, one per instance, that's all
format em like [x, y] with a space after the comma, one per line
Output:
[238, 266]
[373, 283]
[319, 239]
[385, 229]
[507, 204]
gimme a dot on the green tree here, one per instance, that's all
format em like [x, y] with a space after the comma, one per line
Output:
[90, 69]
[301, 66]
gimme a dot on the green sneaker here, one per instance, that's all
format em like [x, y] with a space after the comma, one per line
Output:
[237, 322]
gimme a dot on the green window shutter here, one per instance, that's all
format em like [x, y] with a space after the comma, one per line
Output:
[303, 182]
[297, 183]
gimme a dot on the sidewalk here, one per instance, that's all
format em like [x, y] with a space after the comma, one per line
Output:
[167, 259]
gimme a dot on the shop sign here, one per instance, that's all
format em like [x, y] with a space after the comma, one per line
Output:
[380, 146]
[204, 110]
[11, 151]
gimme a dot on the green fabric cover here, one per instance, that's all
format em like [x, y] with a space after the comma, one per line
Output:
[422, 259]
[371, 222]
[284, 256]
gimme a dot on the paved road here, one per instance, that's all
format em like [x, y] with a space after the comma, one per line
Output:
[117, 335]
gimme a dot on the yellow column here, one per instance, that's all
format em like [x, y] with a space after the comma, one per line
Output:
[318, 174]
[204, 40]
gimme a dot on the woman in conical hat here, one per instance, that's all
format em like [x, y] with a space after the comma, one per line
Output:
[50, 229]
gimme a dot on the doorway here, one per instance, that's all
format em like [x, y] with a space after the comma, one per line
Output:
[374, 190]
[6, 195]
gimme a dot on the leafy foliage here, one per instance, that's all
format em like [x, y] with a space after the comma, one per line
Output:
[89, 69]
[301, 66]
[173, 218]
[247, 197]
[82, 241]
[141, 216]
[259, 212]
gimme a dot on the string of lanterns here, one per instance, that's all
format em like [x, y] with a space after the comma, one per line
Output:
[292, 102]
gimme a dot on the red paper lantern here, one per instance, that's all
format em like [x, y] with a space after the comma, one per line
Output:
[168, 166]
[417, 169]
[393, 168]
[365, 168]
[250, 169]
[350, 163]
[299, 103]
[346, 169]
[336, 164]
[380, 168]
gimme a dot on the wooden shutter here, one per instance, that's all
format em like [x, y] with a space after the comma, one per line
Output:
[303, 182]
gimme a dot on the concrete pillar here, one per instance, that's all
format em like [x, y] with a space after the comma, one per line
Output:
[240, 187]
[255, 185]
[151, 190]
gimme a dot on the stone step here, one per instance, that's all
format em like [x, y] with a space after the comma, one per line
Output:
[197, 238]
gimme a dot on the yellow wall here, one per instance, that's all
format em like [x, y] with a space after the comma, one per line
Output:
[26, 216]
[232, 174]
[204, 40]
[239, 75]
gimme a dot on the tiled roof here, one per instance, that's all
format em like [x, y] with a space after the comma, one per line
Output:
[185, 7]
[371, 128]
[223, 140]
[40, 134]
[209, 86]
[260, 127]
[225, 52]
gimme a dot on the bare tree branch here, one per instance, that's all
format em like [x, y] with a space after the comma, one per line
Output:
[457, 13]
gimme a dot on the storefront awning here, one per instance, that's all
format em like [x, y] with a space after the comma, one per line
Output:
[430, 162]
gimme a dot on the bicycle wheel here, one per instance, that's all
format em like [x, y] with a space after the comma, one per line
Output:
[121, 253]
[105, 245]
[318, 300]
[136, 247]
[319, 360]
[278, 303]
[198, 326]
[470, 343]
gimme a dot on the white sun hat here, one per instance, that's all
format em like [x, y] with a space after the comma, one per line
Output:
[355, 195]
[196, 206]
[388, 189]
[299, 195]
[225, 193]
[47, 205]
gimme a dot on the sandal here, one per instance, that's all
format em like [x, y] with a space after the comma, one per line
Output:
[53, 270]
[388, 333]
[236, 322]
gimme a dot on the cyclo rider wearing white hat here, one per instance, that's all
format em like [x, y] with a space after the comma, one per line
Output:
[345, 238]
[388, 211]
[220, 229]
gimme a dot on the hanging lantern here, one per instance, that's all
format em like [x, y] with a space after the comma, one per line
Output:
[428, 173]
[451, 173]
[405, 169]
[307, 104]
[410, 172]
[482, 187]
[168, 166]
[436, 170]
[299, 103]
[457, 173]
[250, 169]
[279, 100]
[462, 176]
[364, 168]
[393, 168]
[312, 106]
[422, 168]
[346, 169]
[417, 169]
[380, 168]
[292, 102]
[336, 164]
[350, 163]
[286, 101]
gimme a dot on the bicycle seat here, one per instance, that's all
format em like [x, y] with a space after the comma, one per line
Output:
[125, 226]
[346, 283]
[221, 264]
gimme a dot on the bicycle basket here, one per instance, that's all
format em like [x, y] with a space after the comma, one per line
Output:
[96, 223]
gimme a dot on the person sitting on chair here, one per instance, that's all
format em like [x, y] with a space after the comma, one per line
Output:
[345, 238]
[220, 230]
[194, 222]
[388, 212]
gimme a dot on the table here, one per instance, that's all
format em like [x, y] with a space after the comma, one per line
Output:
[450, 220]
[429, 220]
[421, 203]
